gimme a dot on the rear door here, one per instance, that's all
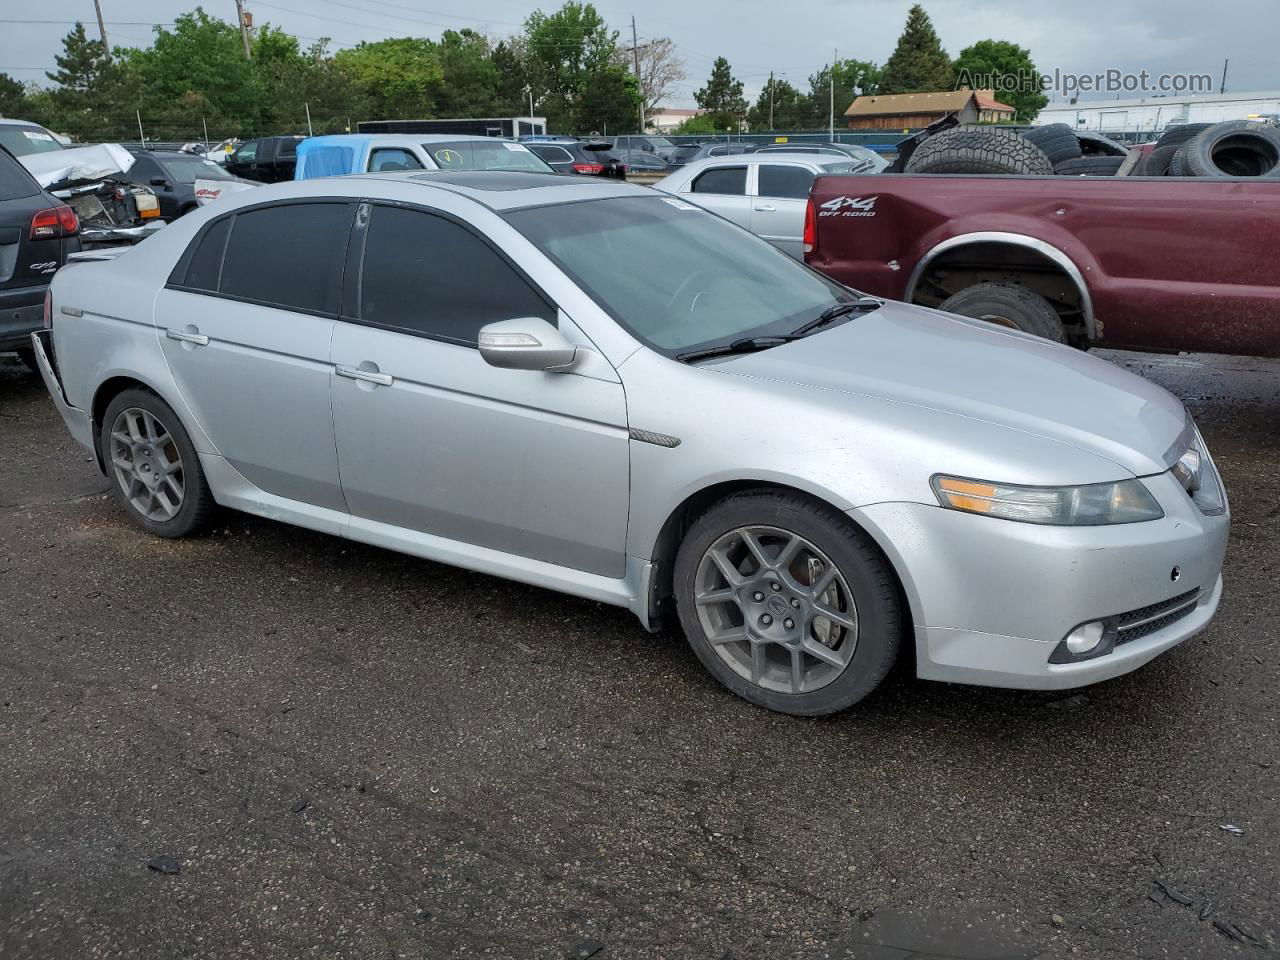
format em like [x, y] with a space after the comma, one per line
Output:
[245, 323]
[777, 210]
[722, 188]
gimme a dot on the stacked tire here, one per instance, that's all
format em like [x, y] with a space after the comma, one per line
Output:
[1238, 148]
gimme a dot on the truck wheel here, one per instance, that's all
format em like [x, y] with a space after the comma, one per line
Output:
[1179, 134]
[154, 470]
[1057, 140]
[1008, 305]
[1237, 148]
[787, 603]
[979, 150]
[1097, 166]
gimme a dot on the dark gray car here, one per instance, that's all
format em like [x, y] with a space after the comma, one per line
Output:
[173, 175]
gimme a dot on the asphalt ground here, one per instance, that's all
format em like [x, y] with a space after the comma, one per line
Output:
[351, 753]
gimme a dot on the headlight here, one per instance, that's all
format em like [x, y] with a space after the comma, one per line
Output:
[1195, 473]
[1126, 501]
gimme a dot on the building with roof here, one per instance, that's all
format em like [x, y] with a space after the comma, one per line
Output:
[906, 110]
[667, 119]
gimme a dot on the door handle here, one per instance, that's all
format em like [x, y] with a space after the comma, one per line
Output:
[368, 376]
[765, 208]
[182, 336]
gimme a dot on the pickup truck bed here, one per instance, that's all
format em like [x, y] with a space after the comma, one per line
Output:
[1142, 262]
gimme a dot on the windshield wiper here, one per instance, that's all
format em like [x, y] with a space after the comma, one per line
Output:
[745, 345]
[835, 312]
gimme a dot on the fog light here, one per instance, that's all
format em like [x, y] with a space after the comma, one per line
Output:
[1085, 637]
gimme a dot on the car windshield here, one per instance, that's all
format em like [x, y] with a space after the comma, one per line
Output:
[692, 280]
[684, 153]
[485, 155]
[191, 169]
[21, 141]
[662, 142]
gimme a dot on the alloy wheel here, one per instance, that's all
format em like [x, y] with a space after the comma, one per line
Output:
[775, 609]
[147, 464]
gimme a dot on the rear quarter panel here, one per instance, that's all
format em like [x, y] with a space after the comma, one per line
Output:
[1172, 263]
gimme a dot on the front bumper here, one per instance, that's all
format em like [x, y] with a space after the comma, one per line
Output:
[98, 234]
[77, 420]
[992, 599]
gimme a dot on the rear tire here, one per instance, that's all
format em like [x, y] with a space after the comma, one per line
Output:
[1157, 163]
[1179, 134]
[153, 467]
[1237, 148]
[1008, 305]
[780, 651]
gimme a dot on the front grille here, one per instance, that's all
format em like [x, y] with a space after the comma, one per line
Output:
[1156, 616]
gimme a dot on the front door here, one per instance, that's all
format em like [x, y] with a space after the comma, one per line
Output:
[246, 332]
[722, 189]
[432, 439]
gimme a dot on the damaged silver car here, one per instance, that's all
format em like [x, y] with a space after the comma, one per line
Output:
[91, 180]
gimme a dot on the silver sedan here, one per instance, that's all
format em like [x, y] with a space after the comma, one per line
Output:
[764, 192]
[609, 392]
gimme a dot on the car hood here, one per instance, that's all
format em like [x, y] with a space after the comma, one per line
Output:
[77, 164]
[969, 368]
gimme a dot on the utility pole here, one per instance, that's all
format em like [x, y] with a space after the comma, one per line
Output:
[141, 136]
[102, 30]
[771, 100]
[308, 107]
[244, 30]
[1223, 89]
[635, 56]
[831, 117]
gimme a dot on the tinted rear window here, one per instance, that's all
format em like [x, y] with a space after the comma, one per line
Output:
[15, 182]
[724, 180]
[684, 153]
[206, 262]
[24, 140]
[289, 256]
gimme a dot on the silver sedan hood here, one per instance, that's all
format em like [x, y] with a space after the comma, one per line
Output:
[969, 368]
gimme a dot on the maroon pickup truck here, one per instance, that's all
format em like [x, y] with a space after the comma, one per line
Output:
[1136, 262]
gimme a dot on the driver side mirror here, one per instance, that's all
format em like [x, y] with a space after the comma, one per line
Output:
[527, 343]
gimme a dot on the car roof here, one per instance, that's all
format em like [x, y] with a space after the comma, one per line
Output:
[782, 156]
[15, 122]
[501, 190]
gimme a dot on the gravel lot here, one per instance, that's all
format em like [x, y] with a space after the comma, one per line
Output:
[351, 753]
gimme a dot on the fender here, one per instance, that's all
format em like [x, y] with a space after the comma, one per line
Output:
[1042, 247]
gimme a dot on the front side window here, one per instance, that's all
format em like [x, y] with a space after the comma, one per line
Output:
[393, 158]
[426, 274]
[288, 256]
[246, 152]
[485, 155]
[786, 181]
[692, 280]
[727, 181]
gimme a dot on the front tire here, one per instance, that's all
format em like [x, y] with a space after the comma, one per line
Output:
[153, 467]
[787, 603]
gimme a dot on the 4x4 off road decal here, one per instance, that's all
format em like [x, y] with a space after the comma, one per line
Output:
[849, 207]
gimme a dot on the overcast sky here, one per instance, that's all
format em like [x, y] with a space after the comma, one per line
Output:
[792, 37]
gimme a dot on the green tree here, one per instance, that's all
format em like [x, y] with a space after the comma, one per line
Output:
[1007, 69]
[89, 99]
[570, 65]
[918, 64]
[470, 80]
[399, 76]
[853, 79]
[13, 97]
[722, 97]
[508, 62]
[791, 109]
[697, 126]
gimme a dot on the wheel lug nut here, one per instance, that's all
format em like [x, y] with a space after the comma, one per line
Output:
[776, 587]
[788, 623]
[795, 602]
[757, 596]
[766, 620]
